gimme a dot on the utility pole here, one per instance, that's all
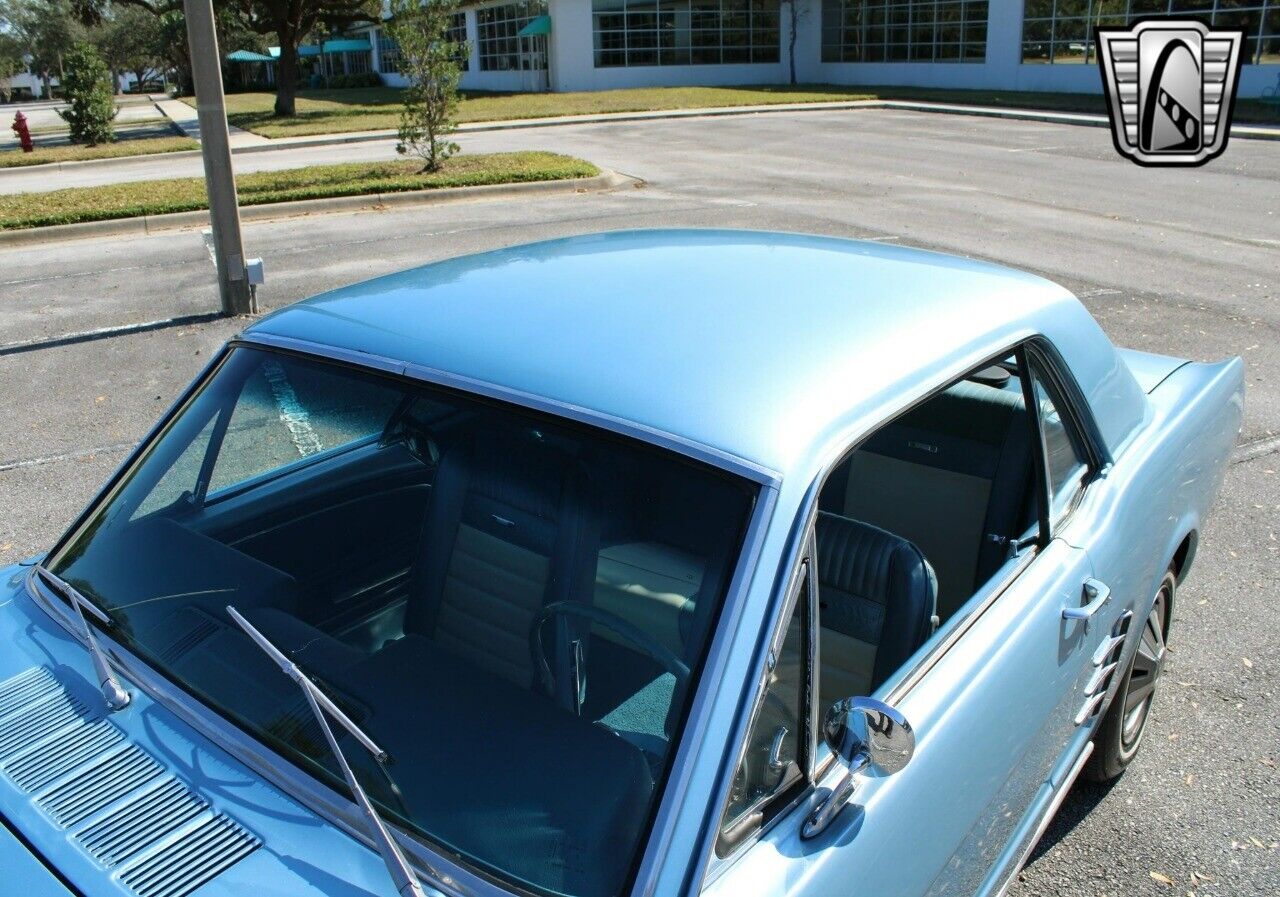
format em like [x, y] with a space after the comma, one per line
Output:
[215, 147]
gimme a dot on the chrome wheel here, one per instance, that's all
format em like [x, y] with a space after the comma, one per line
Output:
[1145, 673]
[1119, 735]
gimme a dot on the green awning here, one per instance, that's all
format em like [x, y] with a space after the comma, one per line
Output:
[537, 25]
[304, 50]
[347, 45]
[248, 56]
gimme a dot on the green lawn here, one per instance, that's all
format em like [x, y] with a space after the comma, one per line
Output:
[377, 108]
[140, 147]
[25, 210]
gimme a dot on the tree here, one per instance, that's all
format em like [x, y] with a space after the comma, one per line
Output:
[796, 16]
[132, 40]
[432, 64]
[90, 95]
[291, 21]
[11, 61]
[46, 30]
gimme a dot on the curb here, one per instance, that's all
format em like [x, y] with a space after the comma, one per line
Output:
[1065, 118]
[145, 225]
[1248, 132]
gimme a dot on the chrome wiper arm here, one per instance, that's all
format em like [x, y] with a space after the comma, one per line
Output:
[402, 874]
[112, 691]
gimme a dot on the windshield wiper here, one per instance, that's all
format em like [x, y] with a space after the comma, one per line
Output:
[112, 691]
[406, 881]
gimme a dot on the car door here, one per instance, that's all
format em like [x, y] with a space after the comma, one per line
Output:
[993, 699]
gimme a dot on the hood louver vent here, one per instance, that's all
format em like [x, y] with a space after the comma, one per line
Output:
[33, 685]
[141, 823]
[33, 769]
[133, 815]
[103, 783]
[19, 729]
[189, 862]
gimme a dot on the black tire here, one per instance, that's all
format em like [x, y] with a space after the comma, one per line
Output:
[1119, 735]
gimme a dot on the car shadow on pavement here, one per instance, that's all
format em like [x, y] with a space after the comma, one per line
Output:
[1079, 803]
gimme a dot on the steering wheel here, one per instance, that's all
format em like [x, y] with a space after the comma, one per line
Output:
[649, 645]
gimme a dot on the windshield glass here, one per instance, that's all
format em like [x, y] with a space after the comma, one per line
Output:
[510, 604]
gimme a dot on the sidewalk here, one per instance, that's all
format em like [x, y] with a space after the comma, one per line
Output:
[184, 118]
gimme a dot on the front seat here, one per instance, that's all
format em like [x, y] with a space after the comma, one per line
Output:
[877, 599]
[510, 528]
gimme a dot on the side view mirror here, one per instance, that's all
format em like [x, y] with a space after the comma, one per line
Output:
[868, 735]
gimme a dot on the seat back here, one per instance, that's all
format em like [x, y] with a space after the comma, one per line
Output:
[950, 476]
[877, 599]
[501, 540]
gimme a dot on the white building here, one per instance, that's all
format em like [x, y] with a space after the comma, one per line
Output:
[25, 85]
[992, 44]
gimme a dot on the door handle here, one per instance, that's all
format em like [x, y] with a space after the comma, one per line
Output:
[1098, 595]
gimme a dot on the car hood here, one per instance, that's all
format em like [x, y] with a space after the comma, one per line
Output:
[137, 802]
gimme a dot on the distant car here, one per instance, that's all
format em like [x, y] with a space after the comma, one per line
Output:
[656, 563]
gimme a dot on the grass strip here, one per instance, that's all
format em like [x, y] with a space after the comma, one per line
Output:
[377, 108]
[143, 146]
[130, 200]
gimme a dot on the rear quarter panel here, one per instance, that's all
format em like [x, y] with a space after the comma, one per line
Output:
[1163, 482]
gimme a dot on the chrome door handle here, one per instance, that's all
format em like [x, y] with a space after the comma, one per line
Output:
[1098, 595]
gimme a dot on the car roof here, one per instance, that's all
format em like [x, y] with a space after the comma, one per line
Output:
[753, 344]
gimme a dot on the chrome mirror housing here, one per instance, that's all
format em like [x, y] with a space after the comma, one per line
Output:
[869, 736]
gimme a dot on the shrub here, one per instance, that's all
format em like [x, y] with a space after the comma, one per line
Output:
[432, 64]
[363, 79]
[87, 85]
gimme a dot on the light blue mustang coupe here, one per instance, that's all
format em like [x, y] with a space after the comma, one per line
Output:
[653, 563]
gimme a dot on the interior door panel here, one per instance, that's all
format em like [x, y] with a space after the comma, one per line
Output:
[350, 544]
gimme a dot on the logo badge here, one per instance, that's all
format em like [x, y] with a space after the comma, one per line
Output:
[1171, 87]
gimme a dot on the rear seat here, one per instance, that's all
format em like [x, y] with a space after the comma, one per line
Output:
[951, 477]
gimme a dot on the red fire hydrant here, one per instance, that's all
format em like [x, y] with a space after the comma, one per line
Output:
[24, 133]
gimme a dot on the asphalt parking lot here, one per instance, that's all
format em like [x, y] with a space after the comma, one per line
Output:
[1185, 262]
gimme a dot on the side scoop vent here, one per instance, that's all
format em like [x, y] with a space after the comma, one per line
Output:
[184, 865]
[141, 823]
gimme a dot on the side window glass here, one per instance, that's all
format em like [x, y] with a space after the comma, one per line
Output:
[1065, 465]
[774, 745]
[288, 411]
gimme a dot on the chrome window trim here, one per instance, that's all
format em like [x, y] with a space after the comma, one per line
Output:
[698, 721]
[690, 448]
[800, 576]
[1048, 368]
[952, 631]
[442, 873]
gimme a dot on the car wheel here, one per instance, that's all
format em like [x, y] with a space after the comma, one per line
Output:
[1120, 733]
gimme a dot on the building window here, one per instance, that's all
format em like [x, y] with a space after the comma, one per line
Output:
[458, 35]
[904, 30]
[1061, 31]
[388, 53]
[685, 32]
[500, 49]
